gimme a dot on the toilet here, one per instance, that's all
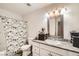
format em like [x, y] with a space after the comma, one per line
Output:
[26, 50]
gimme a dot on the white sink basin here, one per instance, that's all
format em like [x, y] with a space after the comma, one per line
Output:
[25, 47]
[53, 42]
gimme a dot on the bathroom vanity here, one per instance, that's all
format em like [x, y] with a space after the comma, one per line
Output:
[53, 48]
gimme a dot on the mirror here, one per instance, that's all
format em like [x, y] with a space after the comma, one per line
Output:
[55, 26]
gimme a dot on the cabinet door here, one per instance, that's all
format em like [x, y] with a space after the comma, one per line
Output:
[35, 49]
[44, 52]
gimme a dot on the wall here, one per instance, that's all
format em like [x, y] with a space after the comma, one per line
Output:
[71, 20]
[10, 14]
[35, 23]
[36, 19]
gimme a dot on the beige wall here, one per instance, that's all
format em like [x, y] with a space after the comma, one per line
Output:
[71, 20]
[36, 19]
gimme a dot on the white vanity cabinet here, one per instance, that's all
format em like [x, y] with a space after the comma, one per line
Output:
[40, 49]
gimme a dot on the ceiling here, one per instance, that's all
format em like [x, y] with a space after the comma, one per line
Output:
[22, 8]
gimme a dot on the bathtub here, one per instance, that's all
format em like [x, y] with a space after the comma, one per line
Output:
[3, 53]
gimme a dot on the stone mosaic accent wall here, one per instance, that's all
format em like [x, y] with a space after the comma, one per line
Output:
[15, 32]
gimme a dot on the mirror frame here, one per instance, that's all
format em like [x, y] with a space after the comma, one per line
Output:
[48, 25]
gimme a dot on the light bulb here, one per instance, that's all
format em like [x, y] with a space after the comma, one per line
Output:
[56, 13]
[63, 11]
[51, 14]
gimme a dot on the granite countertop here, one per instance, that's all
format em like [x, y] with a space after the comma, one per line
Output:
[64, 45]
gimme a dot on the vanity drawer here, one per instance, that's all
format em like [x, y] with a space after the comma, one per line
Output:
[45, 47]
[59, 51]
[35, 49]
[72, 53]
[54, 49]
[55, 54]
[48, 53]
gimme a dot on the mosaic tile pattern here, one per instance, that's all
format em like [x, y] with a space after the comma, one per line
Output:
[15, 32]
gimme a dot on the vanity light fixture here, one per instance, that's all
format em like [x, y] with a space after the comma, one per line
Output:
[57, 12]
